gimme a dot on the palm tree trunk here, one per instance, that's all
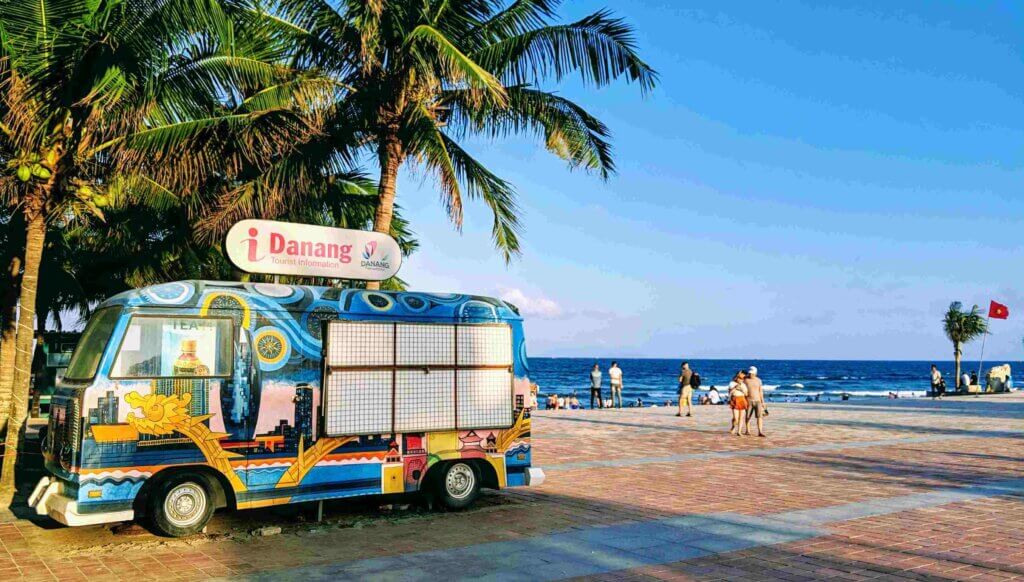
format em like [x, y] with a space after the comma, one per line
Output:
[390, 156]
[35, 238]
[956, 358]
[8, 320]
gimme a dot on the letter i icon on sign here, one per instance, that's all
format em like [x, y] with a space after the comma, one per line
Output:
[252, 244]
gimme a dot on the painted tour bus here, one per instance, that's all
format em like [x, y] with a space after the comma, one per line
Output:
[190, 396]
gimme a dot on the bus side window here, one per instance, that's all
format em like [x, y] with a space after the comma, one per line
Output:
[161, 347]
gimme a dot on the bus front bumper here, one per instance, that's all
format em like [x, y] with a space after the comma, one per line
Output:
[48, 499]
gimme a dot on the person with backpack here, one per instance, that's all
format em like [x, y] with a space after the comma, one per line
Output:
[685, 389]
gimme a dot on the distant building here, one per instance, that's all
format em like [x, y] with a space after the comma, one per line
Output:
[106, 409]
[303, 413]
[198, 389]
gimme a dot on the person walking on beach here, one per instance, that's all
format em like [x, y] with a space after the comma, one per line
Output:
[595, 387]
[737, 402]
[615, 379]
[685, 390]
[755, 400]
[938, 384]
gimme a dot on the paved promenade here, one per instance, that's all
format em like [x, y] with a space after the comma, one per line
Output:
[898, 490]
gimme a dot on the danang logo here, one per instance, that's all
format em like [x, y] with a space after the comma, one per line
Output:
[369, 249]
[369, 262]
[281, 246]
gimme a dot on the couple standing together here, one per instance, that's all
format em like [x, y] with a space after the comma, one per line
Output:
[746, 396]
[614, 379]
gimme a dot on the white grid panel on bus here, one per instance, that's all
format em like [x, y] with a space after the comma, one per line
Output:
[351, 343]
[426, 345]
[424, 401]
[358, 402]
[485, 399]
[485, 345]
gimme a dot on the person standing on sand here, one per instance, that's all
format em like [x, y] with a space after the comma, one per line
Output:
[615, 379]
[737, 402]
[755, 400]
[965, 381]
[685, 390]
[595, 387]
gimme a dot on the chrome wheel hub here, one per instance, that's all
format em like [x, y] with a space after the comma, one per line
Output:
[185, 505]
[460, 481]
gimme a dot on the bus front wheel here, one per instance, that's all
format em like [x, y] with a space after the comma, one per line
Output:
[181, 505]
[459, 485]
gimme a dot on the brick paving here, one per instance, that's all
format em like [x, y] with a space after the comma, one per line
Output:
[907, 489]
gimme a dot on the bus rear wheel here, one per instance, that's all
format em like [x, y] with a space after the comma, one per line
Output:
[181, 505]
[459, 485]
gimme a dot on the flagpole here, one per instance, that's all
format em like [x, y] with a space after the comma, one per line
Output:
[981, 360]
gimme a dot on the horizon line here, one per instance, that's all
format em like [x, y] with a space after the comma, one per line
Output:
[529, 357]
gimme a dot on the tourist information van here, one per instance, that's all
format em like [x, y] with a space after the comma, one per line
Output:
[190, 396]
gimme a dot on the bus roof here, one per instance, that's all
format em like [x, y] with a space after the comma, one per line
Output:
[276, 297]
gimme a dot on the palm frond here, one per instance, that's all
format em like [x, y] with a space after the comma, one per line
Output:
[459, 67]
[599, 48]
[518, 17]
[567, 129]
[459, 172]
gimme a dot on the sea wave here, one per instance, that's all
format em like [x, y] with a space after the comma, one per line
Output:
[853, 393]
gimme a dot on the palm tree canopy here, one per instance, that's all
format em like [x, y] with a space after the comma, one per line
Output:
[417, 78]
[963, 326]
[102, 94]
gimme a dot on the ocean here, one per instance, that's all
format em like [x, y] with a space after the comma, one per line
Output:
[654, 380]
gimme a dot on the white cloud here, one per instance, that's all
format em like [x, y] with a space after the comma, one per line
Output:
[535, 306]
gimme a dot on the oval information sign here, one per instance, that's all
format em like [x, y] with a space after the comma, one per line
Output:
[285, 248]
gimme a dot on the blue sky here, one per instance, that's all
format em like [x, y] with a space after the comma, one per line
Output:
[809, 180]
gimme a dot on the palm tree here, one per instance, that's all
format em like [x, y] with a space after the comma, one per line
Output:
[93, 98]
[419, 76]
[12, 231]
[962, 327]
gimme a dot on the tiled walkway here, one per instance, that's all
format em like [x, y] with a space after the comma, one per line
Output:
[896, 490]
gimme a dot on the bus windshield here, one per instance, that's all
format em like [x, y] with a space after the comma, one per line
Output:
[86, 358]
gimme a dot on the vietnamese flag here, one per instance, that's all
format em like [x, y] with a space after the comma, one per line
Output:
[998, 310]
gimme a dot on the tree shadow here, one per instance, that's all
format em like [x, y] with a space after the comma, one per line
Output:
[903, 428]
[946, 407]
[926, 475]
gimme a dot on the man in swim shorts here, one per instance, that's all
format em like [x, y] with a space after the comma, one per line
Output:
[755, 400]
[615, 379]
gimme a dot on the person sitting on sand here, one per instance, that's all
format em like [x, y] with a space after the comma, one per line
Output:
[713, 396]
[938, 384]
[737, 402]
[703, 400]
[552, 402]
[561, 403]
[574, 403]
